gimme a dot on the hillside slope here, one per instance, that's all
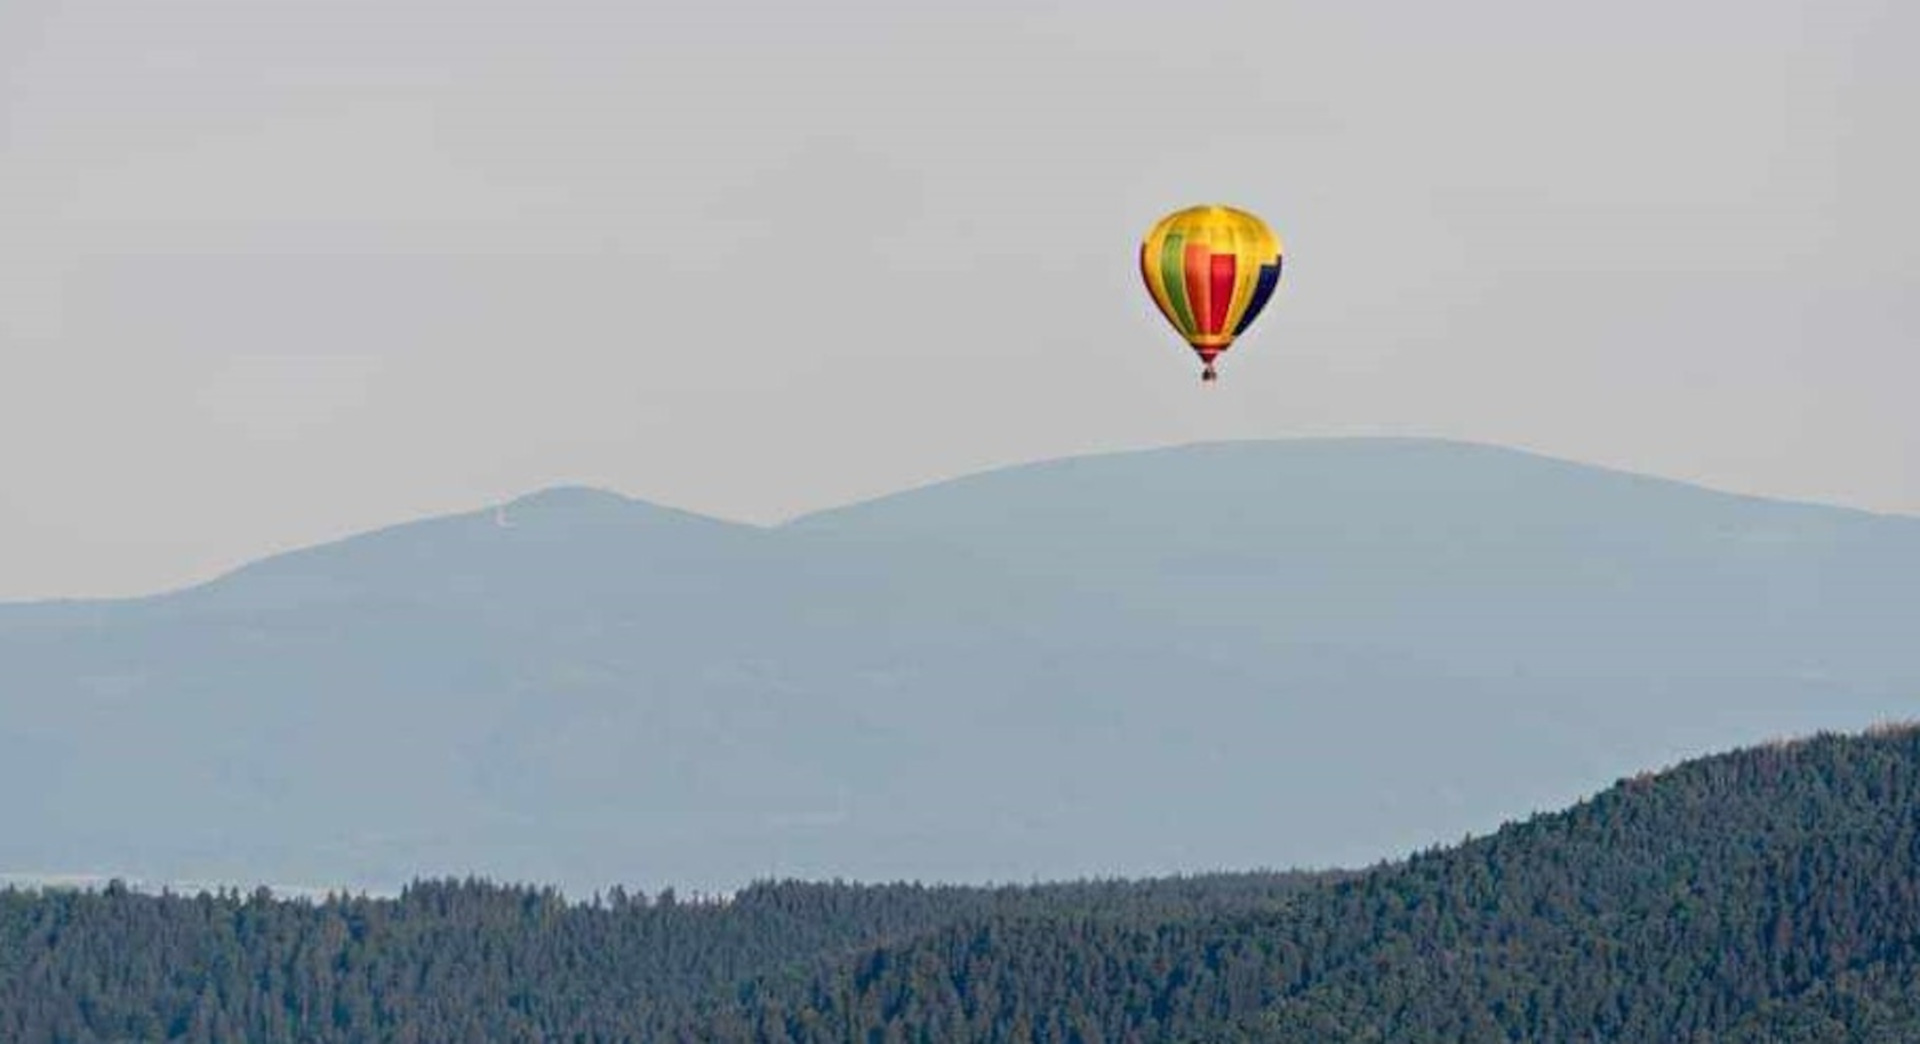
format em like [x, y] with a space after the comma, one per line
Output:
[1770, 894]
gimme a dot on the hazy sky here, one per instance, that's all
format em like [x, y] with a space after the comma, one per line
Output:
[276, 271]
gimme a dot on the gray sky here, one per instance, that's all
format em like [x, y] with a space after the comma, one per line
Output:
[277, 271]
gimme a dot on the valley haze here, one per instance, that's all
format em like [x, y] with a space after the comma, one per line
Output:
[1286, 653]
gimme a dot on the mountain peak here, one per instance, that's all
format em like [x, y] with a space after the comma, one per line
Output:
[572, 498]
[569, 504]
[577, 505]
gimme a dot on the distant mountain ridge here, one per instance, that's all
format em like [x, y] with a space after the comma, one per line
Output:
[1111, 664]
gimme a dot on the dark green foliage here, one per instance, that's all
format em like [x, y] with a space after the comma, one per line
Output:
[1771, 895]
[452, 961]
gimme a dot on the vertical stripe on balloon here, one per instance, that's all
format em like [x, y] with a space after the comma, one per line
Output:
[1173, 274]
[1221, 295]
[1199, 286]
[1246, 250]
[1269, 278]
[1148, 274]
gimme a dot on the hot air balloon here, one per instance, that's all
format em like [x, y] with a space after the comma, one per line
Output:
[1211, 269]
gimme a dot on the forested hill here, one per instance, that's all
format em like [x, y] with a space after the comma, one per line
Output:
[451, 961]
[1771, 895]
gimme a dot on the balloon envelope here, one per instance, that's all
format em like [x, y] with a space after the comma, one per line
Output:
[1211, 269]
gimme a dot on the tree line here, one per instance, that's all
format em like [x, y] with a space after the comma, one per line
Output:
[1768, 895]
